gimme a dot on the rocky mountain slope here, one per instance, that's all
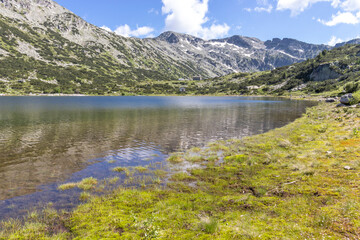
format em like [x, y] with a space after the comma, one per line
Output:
[46, 48]
[237, 53]
[331, 73]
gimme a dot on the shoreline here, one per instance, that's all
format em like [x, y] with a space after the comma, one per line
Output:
[306, 98]
[256, 180]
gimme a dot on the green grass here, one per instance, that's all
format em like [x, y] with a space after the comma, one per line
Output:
[85, 184]
[67, 186]
[289, 183]
[119, 169]
[88, 183]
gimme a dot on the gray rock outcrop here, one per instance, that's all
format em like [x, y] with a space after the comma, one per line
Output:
[324, 72]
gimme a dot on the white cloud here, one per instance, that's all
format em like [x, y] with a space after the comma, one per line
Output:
[334, 40]
[126, 31]
[296, 6]
[142, 31]
[154, 11]
[264, 9]
[348, 13]
[336, 3]
[215, 31]
[350, 5]
[342, 17]
[189, 16]
[106, 28]
[263, 6]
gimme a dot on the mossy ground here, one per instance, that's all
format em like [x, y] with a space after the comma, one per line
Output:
[297, 182]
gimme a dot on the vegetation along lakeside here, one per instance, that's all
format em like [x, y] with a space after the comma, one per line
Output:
[296, 182]
[168, 119]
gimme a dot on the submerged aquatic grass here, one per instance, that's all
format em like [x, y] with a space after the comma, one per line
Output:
[67, 186]
[88, 183]
[84, 184]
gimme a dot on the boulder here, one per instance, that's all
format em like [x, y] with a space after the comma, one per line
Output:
[346, 99]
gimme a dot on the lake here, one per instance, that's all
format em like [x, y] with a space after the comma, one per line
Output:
[46, 141]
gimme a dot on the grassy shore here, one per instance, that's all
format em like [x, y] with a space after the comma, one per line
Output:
[296, 182]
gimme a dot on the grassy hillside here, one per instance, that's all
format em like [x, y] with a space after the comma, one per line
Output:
[342, 63]
[34, 60]
[44, 60]
[101, 75]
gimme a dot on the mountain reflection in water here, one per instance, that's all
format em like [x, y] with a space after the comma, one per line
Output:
[45, 140]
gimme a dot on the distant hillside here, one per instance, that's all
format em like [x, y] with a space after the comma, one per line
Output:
[335, 72]
[45, 48]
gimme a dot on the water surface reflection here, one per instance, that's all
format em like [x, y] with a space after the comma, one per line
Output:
[46, 140]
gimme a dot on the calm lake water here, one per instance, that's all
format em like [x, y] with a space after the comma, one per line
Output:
[46, 141]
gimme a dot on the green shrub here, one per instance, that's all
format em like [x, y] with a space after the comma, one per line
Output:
[356, 98]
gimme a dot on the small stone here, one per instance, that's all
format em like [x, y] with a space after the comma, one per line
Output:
[341, 105]
[328, 152]
[330, 100]
[347, 168]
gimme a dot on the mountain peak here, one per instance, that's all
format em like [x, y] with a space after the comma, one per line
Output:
[354, 41]
[174, 37]
[241, 41]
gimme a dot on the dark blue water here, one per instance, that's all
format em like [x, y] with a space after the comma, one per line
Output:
[46, 141]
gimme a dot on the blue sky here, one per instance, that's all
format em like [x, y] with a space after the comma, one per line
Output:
[313, 21]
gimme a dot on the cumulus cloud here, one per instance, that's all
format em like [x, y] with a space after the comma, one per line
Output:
[296, 6]
[342, 17]
[350, 5]
[349, 10]
[106, 28]
[189, 16]
[334, 40]
[126, 31]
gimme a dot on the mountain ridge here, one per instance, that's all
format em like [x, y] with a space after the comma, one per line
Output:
[61, 51]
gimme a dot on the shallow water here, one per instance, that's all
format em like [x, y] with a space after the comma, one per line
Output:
[45, 141]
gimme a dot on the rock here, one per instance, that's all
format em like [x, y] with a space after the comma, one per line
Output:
[324, 72]
[347, 168]
[341, 105]
[330, 100]
[346, 99]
